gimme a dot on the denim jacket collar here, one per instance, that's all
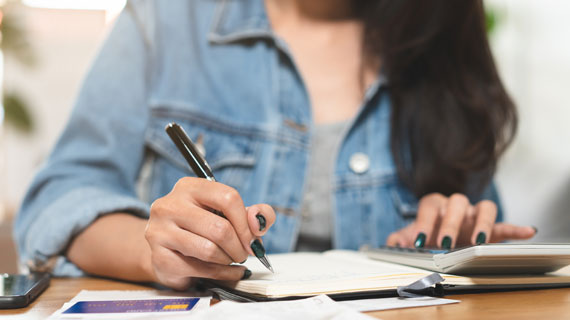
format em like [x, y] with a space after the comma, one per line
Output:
[239, 20]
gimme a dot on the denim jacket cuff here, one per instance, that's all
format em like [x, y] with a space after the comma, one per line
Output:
[49, 235]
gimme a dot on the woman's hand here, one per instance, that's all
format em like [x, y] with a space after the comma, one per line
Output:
[188, 241]
[449, 222]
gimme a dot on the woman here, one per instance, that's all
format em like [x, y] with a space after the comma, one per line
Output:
[348, 123]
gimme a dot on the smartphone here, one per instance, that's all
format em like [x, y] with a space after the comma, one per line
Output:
[18, 290]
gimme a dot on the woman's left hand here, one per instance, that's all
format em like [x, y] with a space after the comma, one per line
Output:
[449, 222]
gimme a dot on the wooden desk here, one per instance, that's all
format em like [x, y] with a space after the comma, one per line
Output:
[535, 304]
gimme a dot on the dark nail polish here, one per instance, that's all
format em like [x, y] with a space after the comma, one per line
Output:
[481, 238]
[262, 221]
[446, 242]
[258, 248]
[420, 240]
[535, 230]
[243, 261]
[246, 274]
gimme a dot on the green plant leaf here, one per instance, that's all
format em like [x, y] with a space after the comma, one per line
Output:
[14, 38]
[16, 113]
[490, 20]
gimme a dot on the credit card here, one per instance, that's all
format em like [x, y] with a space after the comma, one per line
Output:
[130, 306]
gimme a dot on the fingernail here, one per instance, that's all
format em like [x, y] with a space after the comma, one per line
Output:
[258, 248]
[535, 230]
[446, 242]
[246, 274]
[243, 261]
[262, 221]
[420, 240]
[481, 238]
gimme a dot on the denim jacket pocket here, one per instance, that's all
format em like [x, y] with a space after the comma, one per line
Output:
[370, 207]
[231, 155]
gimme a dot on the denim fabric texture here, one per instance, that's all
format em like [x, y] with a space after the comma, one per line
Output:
[217, 69]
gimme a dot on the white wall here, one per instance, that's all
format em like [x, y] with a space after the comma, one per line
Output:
[65, 42]
[531, 47]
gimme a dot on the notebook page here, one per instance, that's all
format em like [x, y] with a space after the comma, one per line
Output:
[334, 271]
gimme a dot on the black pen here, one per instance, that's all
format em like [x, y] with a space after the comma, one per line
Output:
[202, 170]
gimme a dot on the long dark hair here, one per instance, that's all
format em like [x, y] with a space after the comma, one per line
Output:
[451, 115]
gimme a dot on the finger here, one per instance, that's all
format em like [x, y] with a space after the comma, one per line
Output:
[260, 218]
[398, 239]
[182, 214]
[220, 197]
[455, 211]
[213, 228]
[169, 268]
[175, 270]
[486, 213]
[471, 212]
[429, 210]
[503, 231]
[193, 245]
[217, 271]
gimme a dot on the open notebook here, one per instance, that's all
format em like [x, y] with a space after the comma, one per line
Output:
[349, 274]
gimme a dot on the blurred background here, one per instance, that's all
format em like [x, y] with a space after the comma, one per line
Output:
[47, 46]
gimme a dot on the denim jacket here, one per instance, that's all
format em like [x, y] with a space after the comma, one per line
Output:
[216, 68]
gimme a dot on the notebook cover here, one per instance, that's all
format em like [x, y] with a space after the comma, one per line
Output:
[226, 293]
[440, 290]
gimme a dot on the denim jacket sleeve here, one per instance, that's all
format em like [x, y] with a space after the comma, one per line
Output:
[94, 166]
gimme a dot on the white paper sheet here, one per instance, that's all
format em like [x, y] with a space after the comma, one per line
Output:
[106, 295]
[307, 273]
[364, 305]
[315, 308]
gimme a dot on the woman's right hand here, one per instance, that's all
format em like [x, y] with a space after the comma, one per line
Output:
[188, 241]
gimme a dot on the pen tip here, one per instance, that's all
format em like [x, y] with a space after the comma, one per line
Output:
[266, 263]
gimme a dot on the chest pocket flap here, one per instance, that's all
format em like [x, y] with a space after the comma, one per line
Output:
[231, 155]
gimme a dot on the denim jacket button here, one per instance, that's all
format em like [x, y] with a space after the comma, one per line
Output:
[359, 163]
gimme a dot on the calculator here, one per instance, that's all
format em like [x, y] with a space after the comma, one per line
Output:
[498, 258]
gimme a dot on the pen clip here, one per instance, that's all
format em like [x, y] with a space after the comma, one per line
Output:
[211, 177]
[189, 151]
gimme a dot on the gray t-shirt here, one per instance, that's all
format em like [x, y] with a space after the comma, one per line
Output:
[316, 209]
